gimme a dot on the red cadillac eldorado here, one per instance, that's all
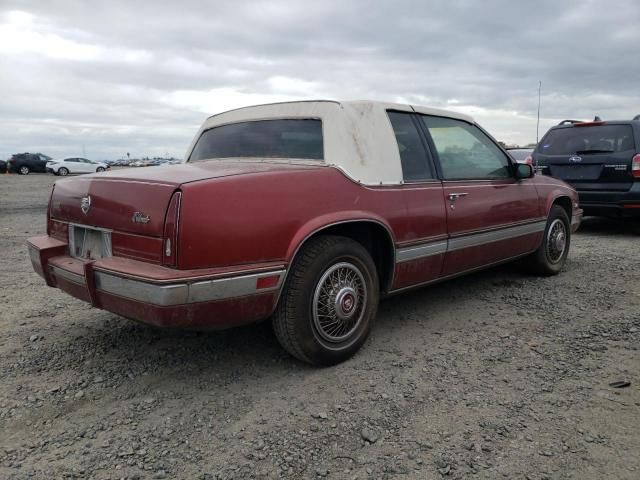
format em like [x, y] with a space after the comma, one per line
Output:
[305, 212]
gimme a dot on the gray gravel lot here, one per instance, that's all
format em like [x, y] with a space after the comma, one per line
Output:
[495, 375]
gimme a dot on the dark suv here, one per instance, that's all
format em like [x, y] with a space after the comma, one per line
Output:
[601, 160]
[24, 163]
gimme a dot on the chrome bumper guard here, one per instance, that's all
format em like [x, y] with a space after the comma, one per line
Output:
[576, 220]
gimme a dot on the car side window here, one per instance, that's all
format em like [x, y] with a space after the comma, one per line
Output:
[413, 154]
[465, 151]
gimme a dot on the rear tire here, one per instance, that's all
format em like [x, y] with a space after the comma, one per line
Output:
[63, 171]
[329, 301]
[24, 170]
[100, 169]
[552, 254]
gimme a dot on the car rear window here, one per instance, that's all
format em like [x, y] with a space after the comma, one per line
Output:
[281, 138]
[595, 139]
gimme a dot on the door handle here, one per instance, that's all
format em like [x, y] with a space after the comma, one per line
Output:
[454, 196]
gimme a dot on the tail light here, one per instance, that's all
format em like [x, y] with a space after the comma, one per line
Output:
[170, 238]
[49, 229]
[635, 166]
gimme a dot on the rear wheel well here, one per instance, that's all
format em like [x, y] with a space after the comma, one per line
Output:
[564, 202]
[372, 236]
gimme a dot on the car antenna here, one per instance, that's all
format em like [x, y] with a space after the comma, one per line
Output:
[538, 122]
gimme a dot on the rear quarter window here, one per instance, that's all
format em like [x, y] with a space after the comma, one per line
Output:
[596, 139]
[278, 138]
[413, 155]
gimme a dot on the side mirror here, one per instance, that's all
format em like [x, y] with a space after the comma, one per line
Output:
[523, 170]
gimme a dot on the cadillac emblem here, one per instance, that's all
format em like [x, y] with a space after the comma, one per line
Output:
[85, 204]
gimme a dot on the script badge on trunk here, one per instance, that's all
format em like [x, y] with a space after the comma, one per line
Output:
[139, 217]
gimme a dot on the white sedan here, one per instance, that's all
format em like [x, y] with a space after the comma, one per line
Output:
[75, 165]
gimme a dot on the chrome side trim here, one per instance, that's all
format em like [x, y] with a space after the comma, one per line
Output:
[474, 240]
[67, 275]
[182, 293]
[421, 251]
[176, 293]
[457, 274]
[230, 287]
[140, 291]
[465, 241]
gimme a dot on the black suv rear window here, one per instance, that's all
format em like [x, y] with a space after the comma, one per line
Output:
[594, 139]
[284, 138]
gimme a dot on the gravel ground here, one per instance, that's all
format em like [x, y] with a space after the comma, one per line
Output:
[495, 375]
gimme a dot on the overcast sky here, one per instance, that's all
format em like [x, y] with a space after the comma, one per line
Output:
[110, 77]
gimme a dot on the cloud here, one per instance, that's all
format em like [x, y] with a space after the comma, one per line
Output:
[141, 76]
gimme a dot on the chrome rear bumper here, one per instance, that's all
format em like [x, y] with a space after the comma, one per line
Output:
[178, 292]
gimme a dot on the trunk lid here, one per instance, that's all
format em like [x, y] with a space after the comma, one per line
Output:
[125, 205]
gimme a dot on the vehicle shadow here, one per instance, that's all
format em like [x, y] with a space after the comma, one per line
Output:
[126, 351]
[629, 227]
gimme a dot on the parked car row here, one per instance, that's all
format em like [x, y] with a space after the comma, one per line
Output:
[25, 163]
[145, 162]
[154, 162]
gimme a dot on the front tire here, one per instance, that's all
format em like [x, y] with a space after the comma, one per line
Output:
[63, 171]
[552, 254]
[100, 169]
[329, 301]
[24, 170]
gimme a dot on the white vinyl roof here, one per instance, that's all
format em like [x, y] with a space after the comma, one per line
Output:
[358, 137]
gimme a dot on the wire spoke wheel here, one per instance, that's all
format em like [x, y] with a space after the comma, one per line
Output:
[329, 301]
[556, 241]
[339, 302]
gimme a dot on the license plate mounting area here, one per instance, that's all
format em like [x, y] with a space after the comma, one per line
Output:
[89, 243]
